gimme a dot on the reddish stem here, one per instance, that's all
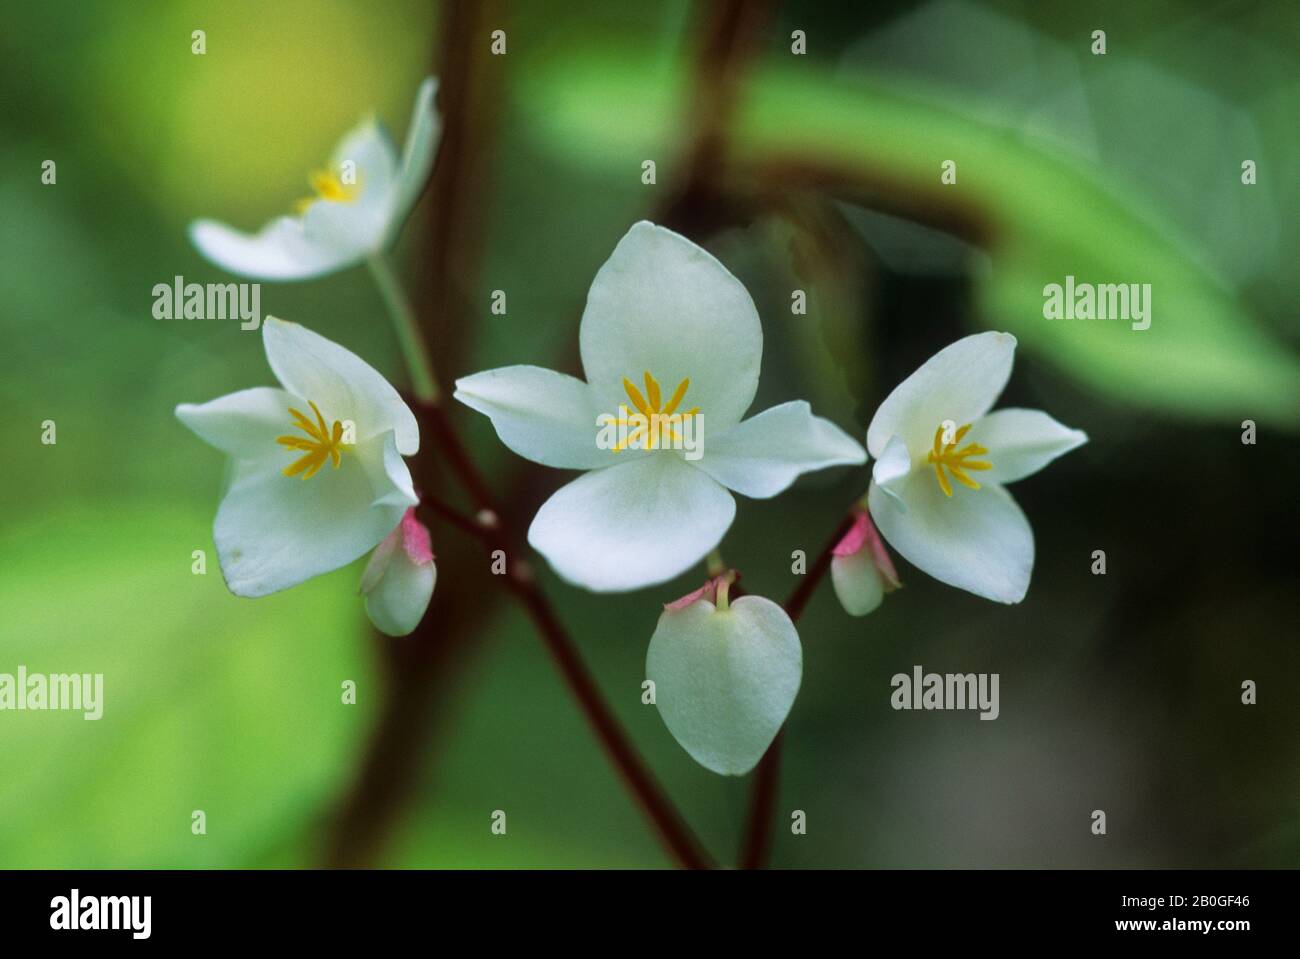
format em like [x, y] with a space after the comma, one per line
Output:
[677, 837]
[757, 843]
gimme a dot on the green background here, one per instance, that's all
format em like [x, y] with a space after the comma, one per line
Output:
[1119, 692]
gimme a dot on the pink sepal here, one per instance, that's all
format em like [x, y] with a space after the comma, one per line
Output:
[708, 591]
[862, 534]
[856, 536]
[415, 539]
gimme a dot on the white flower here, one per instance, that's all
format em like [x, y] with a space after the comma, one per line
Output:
[318, 475]
[661, 310]
[726, 673]
[398, 580]
[361, 201]
[861, 570]
[929, 436]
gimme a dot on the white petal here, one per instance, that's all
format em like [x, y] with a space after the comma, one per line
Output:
[281, 250]
[360, 224]
[354, 230]
[892, 467]
[274, 531]
[389, 476]
[858, 584]
[398, 585]
[331, 235]
[959, 383]
[419, 150]
[976, 540]
[766, 453]
[662, 305]
[632, 525]
[398, 603]
[725, 679]
[369, 149]
[1021, 442]
[380, 557]
[243, 424]
[338, 381]
[542, 415]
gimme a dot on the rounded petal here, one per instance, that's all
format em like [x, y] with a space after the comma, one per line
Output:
[398, 581]
[960, 383]
[342, 384]
[662, 305]
[399, 601]
[859, 586]
[281, 250]
[243, 424]
[762, 456]
[358, 225]
[1021, 442]
[419, 150]
[369, 149]
[725, 679]
[542, 415]
[274, 531]
[635, 524]
[380, 557]
[353, 230]
[976, 540]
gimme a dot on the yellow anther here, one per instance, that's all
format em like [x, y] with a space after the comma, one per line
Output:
[328, 187]
[652, 420]
[652, 390]
[635, 396]
[322, 443]
[946, 456]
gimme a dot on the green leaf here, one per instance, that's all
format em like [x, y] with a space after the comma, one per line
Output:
[210, 702]
[725, 679]
[1040, 214]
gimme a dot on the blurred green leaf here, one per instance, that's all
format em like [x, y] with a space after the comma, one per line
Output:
[210, 702]
[1041, 215]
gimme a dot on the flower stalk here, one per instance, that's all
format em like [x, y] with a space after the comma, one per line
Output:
[672, 829]
[436, 425]
[757, 842]
[424, 384]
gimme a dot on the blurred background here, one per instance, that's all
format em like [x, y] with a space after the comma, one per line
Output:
[817, 171]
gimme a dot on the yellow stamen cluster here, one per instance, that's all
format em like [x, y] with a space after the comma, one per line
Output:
[946, 456]
[652, 419]
[323, 444]
[329, 187]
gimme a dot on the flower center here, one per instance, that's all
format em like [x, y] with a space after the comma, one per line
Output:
[329, 187]
[946, 456]
[320, 444]
[653, 420]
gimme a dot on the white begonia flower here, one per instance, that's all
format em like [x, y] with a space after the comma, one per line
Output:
[361, 202]
[726, 673]
[928, 436]
[661, 310]
[861, 570]
[318, 475]
[399, 578]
